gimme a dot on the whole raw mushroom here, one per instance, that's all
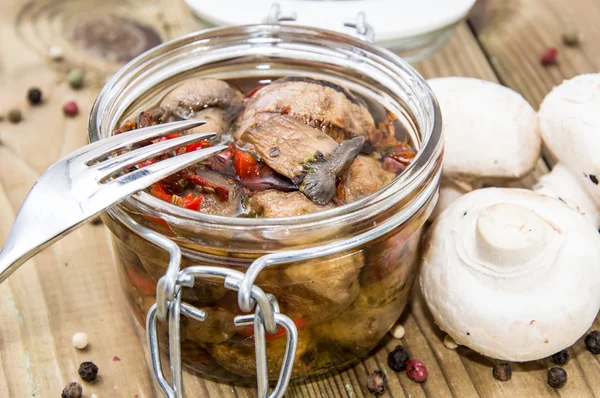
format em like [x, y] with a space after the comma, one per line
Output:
[512, 274]
[491, 136]
[570, 126]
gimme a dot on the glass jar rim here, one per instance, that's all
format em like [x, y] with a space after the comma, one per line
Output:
[423, 166]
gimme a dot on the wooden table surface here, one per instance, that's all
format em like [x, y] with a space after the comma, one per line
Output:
[73, 286]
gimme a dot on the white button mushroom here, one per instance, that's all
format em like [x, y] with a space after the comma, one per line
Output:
[512, 274]
[491, 136]
[570, 126]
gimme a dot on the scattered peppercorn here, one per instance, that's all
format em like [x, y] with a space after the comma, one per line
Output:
[561, 357]
[377, 383]
[592, 342]
[549, 56]
[75, 78]
[416, 371]
[56, 53]
[88, 371]
[96, 221]
[73, 390]
[398, 331]
[70, 108]
[398, 358]
[80, 340]
[15, 116]
[557, 377]
[571, 36]
[502, 372]
[594, 179]
[34, 95]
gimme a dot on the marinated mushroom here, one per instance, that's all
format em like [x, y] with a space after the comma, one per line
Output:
[272, 203]
[364, 177]
[316, 102]
[570, 128]
[197, 94]
[309, 157]
[491, 136]
[512, 274]
[211, 100]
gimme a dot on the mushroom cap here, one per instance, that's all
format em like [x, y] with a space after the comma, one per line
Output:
[512, 274]
[570, 126]
[196, 94]
[490, 131]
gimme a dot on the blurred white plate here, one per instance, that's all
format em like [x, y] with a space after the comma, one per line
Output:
[415, 28]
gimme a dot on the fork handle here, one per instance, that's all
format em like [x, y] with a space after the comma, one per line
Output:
[35, 228]
[10, 260]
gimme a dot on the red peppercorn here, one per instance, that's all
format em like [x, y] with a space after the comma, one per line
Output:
[549, 56]
[70, 108]
[416, 371]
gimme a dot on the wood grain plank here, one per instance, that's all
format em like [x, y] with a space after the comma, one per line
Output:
[514, 33]
[74, 286]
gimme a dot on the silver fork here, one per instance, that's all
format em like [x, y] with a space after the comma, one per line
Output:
[86, 182]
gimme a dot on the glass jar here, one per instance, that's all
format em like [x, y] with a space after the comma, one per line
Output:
[342, 301]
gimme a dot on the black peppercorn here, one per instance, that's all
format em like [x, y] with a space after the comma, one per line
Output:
[398, 359]
[377, 383]
[34, 95]
[88, 371]
[73, 390]
[561, 357]
[502, 372]
[592, 342]
[557, 377]
[96, 221]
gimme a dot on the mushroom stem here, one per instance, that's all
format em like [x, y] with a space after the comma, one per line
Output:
[322, 173]
[509, 235]
[563, 185]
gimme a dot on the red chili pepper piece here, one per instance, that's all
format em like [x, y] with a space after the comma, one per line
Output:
[254, 91]
[146, 163]
[158, 190]
[192, 202]
[203, 182]
[159, 221]
[299, 322]
[143, 283]
[402, 154]
[197, 145]
[245, 165]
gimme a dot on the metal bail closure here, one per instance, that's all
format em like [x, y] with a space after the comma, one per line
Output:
[363, 29]
[267, 309]
[276, 15]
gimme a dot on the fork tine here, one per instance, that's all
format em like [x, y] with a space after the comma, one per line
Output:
[104, 147]
[140, 179]
[127, 160]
